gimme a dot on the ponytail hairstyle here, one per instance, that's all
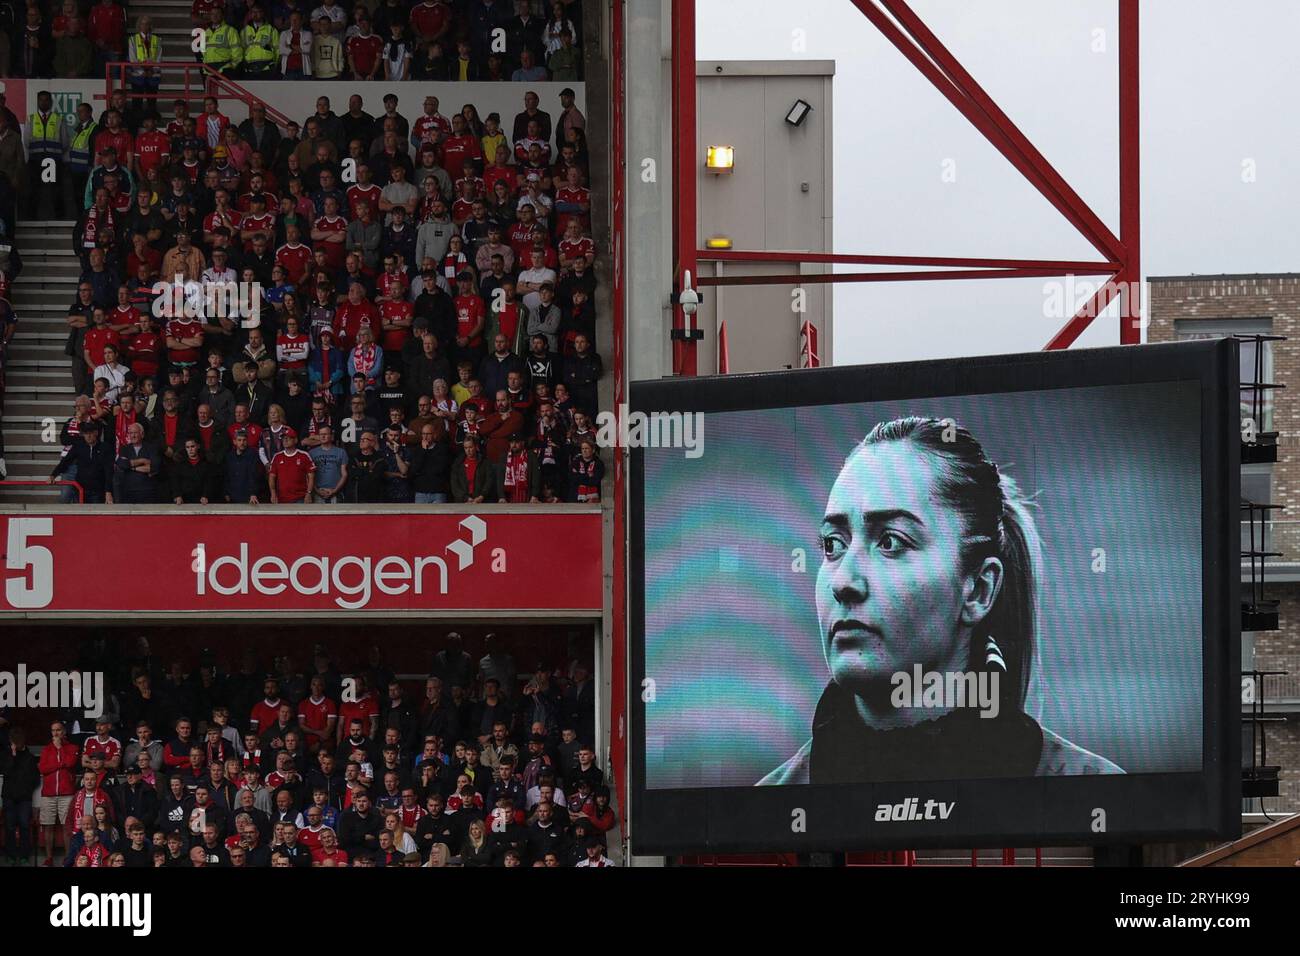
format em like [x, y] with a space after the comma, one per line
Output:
[996, 523]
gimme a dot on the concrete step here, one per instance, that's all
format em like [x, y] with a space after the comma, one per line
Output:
[21, 379]
[33, 225]
[38, 409]
[21, 366]
[43, 258]
[58, 294]
[29, 470]
[42, 336]
[45, 312]
[45, 267]
[20, 420]
[50, 242]
[28, 451]
[55, 393]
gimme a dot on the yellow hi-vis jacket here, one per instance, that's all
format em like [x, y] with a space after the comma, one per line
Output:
[222, 48]
[261, 45]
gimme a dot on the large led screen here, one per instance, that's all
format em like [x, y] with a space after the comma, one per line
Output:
[996, 573]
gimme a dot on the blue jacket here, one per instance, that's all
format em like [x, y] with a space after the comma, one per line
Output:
[243, 476]
[337, 372]
[133, 487]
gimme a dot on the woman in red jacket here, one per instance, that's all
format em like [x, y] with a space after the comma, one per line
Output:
[57, 764]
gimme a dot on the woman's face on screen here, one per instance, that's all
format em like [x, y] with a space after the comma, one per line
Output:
[890, 589]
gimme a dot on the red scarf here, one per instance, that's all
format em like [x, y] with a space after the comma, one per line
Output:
[326, 388]
[363, 357]
[517, 476]
[124, 422]
[98, 224]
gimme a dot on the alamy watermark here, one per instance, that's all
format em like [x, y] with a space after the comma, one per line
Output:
[53, 690]
[208, 299]
[1070, 296]
[932, 690]
[651, 430]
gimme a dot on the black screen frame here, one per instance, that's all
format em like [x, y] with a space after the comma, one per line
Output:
[1056, 811]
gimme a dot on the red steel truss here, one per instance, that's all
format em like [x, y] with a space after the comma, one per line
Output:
[1119, 256]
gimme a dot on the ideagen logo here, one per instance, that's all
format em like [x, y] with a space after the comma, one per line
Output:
[352, 580]
[912, 809]
[74, 909]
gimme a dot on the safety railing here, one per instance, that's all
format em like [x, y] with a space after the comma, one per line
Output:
[199, 80]
[14, 483]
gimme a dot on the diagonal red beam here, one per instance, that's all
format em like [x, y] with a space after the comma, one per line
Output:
[931, 44]
[748, 255]
[932, 275]
[1020, 153]
[1085, 316]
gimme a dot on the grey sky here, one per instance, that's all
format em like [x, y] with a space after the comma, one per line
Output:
[1220, 89]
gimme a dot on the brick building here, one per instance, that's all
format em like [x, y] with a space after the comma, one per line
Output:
[1186, 307]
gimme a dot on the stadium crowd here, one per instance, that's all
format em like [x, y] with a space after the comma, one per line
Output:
[248, 768]
[433, 40]
[358, 308]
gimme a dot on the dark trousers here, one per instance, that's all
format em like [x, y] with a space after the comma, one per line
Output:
[43, 198]
[18, 827]
[75, 195]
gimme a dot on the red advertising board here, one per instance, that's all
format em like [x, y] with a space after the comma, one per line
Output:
[277, 562]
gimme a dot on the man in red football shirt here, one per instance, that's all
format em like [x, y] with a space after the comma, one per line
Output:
[352, 315]
[459, 147]
[471, 316]
[363, 710]
[317, 715]
[396, 315]
[294, 256]
[430, 20]
[257, 221]
[329, 232]
[431, 126]
[152, 148]
[118, 137]
[265, 711]
[106, 29]
[365, 51]
[292, 474]
[144, 349]
[252, 431]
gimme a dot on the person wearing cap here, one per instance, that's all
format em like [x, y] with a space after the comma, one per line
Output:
[292, 473]
[106, 165]
[92, 459]
[595, 848]
[327, 367]
[135, 800]
[519, 474]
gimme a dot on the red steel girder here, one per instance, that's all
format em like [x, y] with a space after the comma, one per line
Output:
[906, 31]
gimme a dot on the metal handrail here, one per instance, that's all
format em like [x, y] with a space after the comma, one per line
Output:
[81, 492]
[215, 84]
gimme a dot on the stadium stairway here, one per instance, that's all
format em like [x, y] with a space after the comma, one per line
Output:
[38, 376]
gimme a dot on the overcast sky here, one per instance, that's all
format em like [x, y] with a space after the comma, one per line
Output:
[1220, 98]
